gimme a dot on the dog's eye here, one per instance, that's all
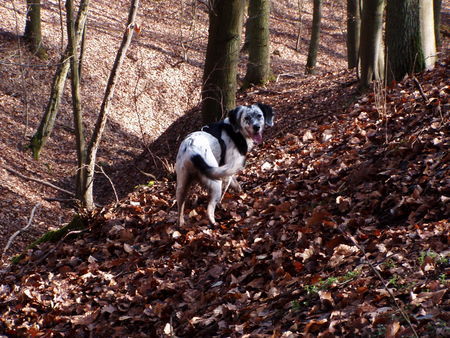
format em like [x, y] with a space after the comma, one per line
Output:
[247, 119]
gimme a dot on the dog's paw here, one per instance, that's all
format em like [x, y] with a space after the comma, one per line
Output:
[235, 185]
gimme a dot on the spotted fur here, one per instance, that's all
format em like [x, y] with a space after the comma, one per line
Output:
[213, 155]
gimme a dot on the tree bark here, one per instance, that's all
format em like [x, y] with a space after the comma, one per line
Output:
[299, 29]
[403, 39]
[76, 100]
[409, 37]
[428, 40]
[45, 128]
[33, 32]
[437, 4]
[258, 67]
[222, 55]
[88, 196]
[353, 32]
[315, 37]
[371, 51]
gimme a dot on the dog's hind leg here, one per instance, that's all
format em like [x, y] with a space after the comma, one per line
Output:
[183, 184]
[235, 184]
[226, 184]
[215, 194]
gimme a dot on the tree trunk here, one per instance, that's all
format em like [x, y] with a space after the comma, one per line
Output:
[82, 49]
[45, 128]
[222, 55]
[258, 67]
[33, 31]
[437, 4]
[76, 100]
[403, 38]
[408, 30]
[299, 29]
[427, 37]
[315, 36]
[371, 51]
[353, 32]
[88, 196]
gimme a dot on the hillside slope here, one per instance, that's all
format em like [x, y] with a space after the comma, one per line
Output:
[160, 84]
[342, 230]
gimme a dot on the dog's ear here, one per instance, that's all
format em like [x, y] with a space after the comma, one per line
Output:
[268, 113]
[234, 116]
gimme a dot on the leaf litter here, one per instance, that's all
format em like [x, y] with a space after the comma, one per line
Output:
[322, 199]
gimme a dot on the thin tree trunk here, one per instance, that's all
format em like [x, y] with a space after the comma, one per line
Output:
[222, 55]
[88, 199]
[33, 32]
[258, 67]
[82, 49]
[370, 42]
[45, 128]
[353, 32]
[315, 37]
[437, 4]
[76, 99]
[427, 28]
[300, 22]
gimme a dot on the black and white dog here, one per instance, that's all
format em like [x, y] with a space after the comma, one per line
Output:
[212, 156]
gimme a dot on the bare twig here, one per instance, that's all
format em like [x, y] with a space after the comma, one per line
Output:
[419, 86]
[146, 174]
[14, 235]
[380, 95]
[15, 172]
[385, 285]
[110, 182]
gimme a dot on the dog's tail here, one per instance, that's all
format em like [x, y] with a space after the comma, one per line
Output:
[214, 173]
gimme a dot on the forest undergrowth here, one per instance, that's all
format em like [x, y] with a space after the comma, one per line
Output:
[342, 229]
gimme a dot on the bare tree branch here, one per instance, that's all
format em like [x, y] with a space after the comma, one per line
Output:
[15, 172]
[11, 239]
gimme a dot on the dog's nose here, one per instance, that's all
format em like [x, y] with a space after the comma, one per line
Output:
[256, 127]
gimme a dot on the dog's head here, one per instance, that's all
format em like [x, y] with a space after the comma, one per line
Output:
[250, 120]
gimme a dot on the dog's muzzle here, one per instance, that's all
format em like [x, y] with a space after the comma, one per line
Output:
[257, 134]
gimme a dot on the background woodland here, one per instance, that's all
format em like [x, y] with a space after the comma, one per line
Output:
[342, 227]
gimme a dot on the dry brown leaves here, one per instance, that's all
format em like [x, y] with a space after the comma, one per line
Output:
[280, 262]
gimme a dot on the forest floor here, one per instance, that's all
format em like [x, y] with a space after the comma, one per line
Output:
[160, 85]
[341, 229]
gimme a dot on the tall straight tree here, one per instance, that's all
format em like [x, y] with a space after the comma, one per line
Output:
[315, 37]
[353, 32]
[45, 127]
[88, 160]
[409, 37]
[371, 46]
[257, 34]
[437, 4]
[33, 32]
[427, 29]
[222, 55]
[76, 100]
